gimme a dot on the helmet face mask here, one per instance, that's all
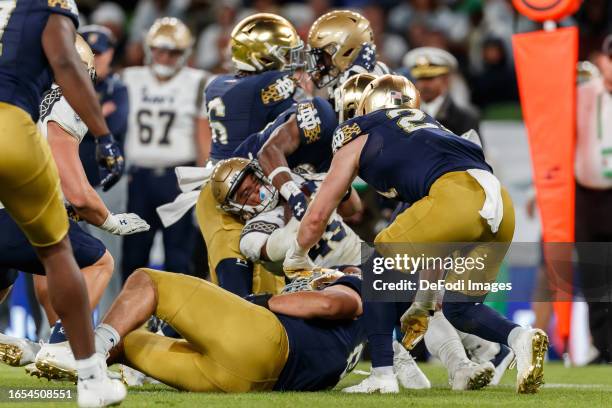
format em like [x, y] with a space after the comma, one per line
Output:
[227, 179]
[320, 66]
[172, 36]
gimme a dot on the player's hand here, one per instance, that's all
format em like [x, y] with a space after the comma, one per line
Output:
[110, 161]
[124, 224]
[297, 261]
[414, 323]
[296, 198]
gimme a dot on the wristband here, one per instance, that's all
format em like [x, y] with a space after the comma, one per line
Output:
[290, 188]
[277, 171]
[110, 224]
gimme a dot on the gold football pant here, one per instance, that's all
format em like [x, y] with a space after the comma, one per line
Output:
[450, 213]
[29, 182]
[221, 233]
[230, 345]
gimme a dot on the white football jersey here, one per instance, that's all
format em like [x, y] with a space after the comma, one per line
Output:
[55, 108]
[339, 245]
[162, 118]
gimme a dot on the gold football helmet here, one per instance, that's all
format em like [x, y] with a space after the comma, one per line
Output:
[334, 41]
[349, 94]
[86, 55]
[226, 178]
[388, 91]
[265, 42]
[171, 34]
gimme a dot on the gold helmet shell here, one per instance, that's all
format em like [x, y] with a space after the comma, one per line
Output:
[225, 180]
[349, 94]
[86, 55]
[169, 33]
[335, 40]
[386, 92]
[265, 42]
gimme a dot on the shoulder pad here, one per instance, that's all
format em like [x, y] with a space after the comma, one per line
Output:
[279, 90]
[345, 133]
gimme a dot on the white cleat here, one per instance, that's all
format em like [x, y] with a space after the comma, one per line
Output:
[100, 390]
[385, 384]
[17, 352]
[530, 349]
[134, 378]
[472, 376]
[56, 362]
[408, 372]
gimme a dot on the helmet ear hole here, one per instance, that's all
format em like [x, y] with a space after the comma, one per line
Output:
[348, 52]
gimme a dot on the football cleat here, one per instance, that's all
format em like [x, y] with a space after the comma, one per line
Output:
[17, 352]
[56, 362]
[408, 372]
[384, 384]
[502, 361]
[530, 349]
[134, 378]
[472, 376]
[100, 390]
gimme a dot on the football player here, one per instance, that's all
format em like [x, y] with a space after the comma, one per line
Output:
[167, 127]
[340, 45]
[36, 45]
[405, 154]
[265, 49]
[64, 130]
[303, 341]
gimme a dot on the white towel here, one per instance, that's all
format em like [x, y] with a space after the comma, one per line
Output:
[493, 209]
[190, 181]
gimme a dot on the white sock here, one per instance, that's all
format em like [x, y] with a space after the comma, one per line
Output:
[443, 342]
[381, 371]
[106, 337]
[480, 350]
[514, 335]
[89, 368]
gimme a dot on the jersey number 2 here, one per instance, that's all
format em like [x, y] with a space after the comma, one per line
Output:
[145, 128]
[6, 9]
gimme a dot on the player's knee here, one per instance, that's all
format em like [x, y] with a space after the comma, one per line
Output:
[140, 280]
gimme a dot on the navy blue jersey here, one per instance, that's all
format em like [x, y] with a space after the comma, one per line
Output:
[316, 122]
[406, 151]
[241, 105]
[321, 351]
[25, 73]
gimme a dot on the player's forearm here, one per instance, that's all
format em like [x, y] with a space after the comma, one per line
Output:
[79, 92]
[88, 205]
[312, 227]
[271, 157]
[304, 305]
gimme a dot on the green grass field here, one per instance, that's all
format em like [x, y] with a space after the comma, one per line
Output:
[576, 387]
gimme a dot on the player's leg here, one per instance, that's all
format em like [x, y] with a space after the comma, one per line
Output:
[221, 232]
[30, 191]
[193, 306]
[137, 247]
[444, 343]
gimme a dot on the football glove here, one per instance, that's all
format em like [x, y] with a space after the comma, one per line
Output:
[110, 161]
[124, 224]
[415, 321]
[296, 198]
[297, 260]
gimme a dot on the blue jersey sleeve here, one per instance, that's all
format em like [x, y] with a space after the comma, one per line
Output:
[67, 8]
[351, 281]
[316, 120]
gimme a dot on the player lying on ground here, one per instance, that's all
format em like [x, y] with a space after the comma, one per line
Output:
[303, 341]
[405, 154]
[64, 130]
